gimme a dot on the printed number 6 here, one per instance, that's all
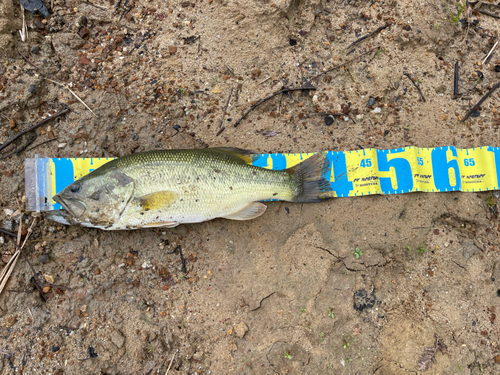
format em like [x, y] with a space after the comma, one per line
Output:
[469, 162]
[366, 163]
[420, 161]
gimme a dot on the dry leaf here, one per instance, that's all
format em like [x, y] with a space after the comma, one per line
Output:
[49, 279]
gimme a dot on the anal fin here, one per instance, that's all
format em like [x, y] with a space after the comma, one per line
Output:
[250, 211]
[165, 224]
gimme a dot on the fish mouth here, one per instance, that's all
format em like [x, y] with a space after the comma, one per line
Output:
[75, 207]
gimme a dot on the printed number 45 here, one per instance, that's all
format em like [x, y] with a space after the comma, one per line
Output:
[366, 163]
[469, 162]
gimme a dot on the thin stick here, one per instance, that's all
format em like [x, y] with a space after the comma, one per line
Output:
[414, 84]
[488, 13]
[264, 80]
[8, 233]
[225, 110]
[344, 63]
[71, 91]
[27, 60]
[171, 361]
[17, 151]
[491, 50]
[455, 81]
[368, 35]
[272, 96]
[41, 143]
[481, 101]
[43, 122]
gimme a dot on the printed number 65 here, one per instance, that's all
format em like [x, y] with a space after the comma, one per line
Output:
[469, 162]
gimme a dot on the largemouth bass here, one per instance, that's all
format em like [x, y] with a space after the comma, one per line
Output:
[166, 188]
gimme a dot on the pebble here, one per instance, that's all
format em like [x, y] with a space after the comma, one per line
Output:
[377, 110]
[135, 136]
[475, 114]
[497, 68]
[2, 240]
[172, 49]
[240, 329]
[43, 258]
[32, 89]
[55, 349]
[61, 145]
[293, 42]
[371, 102]
[177, 127]
[256, 73]
[329, 120]
[35, 50]
[117, 338]
[147, 264]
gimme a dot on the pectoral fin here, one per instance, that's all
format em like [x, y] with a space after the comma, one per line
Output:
[158, 200]
[250, 211]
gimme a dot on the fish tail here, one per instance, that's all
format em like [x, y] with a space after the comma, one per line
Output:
[310, 177]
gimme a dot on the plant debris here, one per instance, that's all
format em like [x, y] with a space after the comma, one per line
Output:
[429, 357]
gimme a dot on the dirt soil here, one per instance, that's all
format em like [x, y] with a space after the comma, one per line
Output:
[286, 293]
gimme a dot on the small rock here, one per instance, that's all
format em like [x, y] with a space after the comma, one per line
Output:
[377, 110]
[147, 264]
[475, 114]
[61, 145]
[31, 89]
[329, 120]
[216, 90]
[135, 136]
[497, 68]
[240, 330]
[497, 358]
[371, 102]
[83, 21]
[49, 279]
[43, 258]
[176, 127]
[117, 338]
[84, 32]
[35, 50]
[293, 42]
[303, 32]
[83, 60]
[39, 24]
[172, 49]
[55, 349]
[256, 73]
[2, 240]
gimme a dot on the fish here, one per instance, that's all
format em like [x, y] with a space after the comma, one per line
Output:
[166, 188]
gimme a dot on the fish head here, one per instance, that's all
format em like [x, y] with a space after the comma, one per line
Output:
[96, 199]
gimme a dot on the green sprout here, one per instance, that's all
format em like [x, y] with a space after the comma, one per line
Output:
[303, 309]
[357, 253]
[331, 313]
[454, 19]
[409, 249]
[288, 355]
[347, 344]
[422, 250]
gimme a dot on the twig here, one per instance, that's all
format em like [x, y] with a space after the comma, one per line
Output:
[41, 143]
[17, 151]
[455, 81]
[344, 63]
[368, 35]
[414, 84]
[8, 233]
[71, 91]
[481, 101]
[27, 60]
[488, 13]
[272, 96]
[264, 80]
[491, 50]
[24, 30]
[224, 113]
[171, 361]
[43, 122]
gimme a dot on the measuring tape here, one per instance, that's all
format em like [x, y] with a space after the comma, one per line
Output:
[351, 173]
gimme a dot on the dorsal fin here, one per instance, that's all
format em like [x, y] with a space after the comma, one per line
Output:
[248, 156]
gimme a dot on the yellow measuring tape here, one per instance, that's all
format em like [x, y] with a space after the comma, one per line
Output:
[351, 173]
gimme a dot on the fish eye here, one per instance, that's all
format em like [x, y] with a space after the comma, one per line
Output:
[75, 188]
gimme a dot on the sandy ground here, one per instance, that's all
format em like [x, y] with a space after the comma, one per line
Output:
[284, 293]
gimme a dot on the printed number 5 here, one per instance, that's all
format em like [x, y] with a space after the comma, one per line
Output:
[420, 161]
[469, 162]
[402, 168]
[366, 163]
